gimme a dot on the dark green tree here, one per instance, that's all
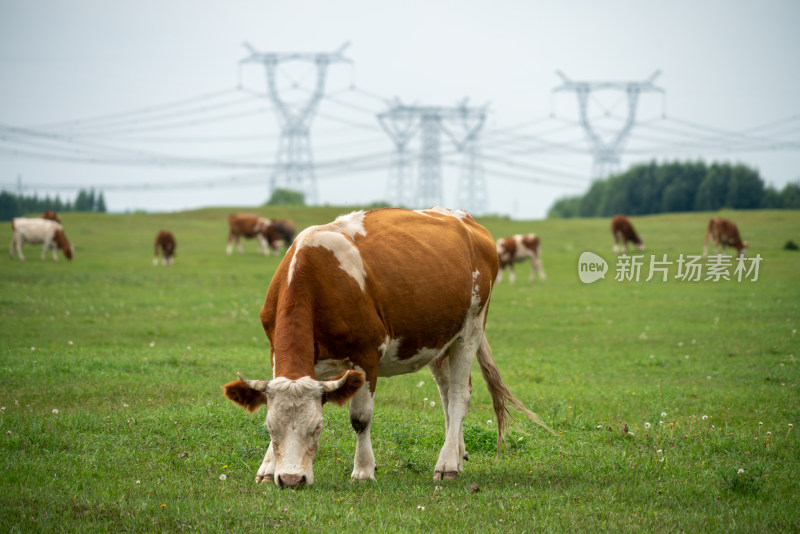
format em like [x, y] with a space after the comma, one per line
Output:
[745, 188]
[286, 197]
[100, 203]
[790, 196]
[9, 207]
[82, 201]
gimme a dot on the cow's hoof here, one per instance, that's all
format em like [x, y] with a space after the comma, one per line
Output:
[447, 475]
[265, 478]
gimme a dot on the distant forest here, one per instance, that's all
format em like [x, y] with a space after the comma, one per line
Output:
[12, 205]
[673, 187]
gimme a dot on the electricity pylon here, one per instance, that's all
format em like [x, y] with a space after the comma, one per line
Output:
[607, 153]
[294, 167]
[461, 124]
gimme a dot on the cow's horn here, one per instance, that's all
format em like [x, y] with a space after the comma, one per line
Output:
[258, 385]
[333, 385]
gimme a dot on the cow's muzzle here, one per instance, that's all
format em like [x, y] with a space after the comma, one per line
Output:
[291, 481]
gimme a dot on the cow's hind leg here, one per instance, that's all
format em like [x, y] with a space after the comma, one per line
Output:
[441, 375]
[361, 406]
[459, 363]
[266, 473]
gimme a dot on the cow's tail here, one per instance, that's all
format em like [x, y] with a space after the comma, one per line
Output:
[501, 396]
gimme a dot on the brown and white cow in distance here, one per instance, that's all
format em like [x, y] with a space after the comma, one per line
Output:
[280, 232]
[725, 233]
[623, 231]
[165, 245]
[248, 226]
[372, 294]
[517, 248]
[49, 233]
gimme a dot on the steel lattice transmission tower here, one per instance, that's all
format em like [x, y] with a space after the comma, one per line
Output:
[462, 125]
[607, 152]
[294, 167]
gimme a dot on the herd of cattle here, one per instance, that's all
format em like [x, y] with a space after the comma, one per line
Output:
[272, 234]
[371, 294]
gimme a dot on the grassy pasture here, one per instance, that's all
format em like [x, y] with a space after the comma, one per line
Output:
[112, 416]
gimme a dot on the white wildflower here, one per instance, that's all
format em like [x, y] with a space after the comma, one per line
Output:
[433, 404]
[223, 476]
[740, 471]
[420, 508]
[663, 414]
[420, 384]
[704, 418]
[647, 425]
[55, 411]
[152, 344]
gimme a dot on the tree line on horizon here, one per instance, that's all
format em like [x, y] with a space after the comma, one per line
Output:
[12, 205]
[677, 187]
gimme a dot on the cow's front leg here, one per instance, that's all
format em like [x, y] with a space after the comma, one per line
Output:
[266, 473]
[361, 407]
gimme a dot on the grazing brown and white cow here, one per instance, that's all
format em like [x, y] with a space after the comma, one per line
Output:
[248, 226]
[280, 232]
[725, 233]
[372, 294]
[45, 231]
[165, 245]
[50, 214]
[623, 231]
[517, 248]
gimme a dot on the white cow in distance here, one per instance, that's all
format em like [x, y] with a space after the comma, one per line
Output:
[35, 231]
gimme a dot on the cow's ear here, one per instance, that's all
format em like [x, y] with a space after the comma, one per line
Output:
[245, 396]
[340, 389]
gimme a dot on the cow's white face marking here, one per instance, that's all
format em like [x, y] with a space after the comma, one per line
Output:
[337, 237]
[294, 420]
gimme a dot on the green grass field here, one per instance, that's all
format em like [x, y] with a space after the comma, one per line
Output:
[113, 420]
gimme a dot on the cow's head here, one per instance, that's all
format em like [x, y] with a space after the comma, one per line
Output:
[63, 243]
[741, 251]
[294, 417]
[503, 254]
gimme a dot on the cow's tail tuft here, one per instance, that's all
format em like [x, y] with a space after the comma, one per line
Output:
[501, 395]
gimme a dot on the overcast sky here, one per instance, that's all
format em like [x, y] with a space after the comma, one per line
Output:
[726, 67]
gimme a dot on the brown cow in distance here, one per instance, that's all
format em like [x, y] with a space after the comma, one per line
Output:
[623, 231]
[247, 226]
[51, 215]
[165, 244]
[279, 233]
[517, 248]
[725, 233]
[371, 294]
